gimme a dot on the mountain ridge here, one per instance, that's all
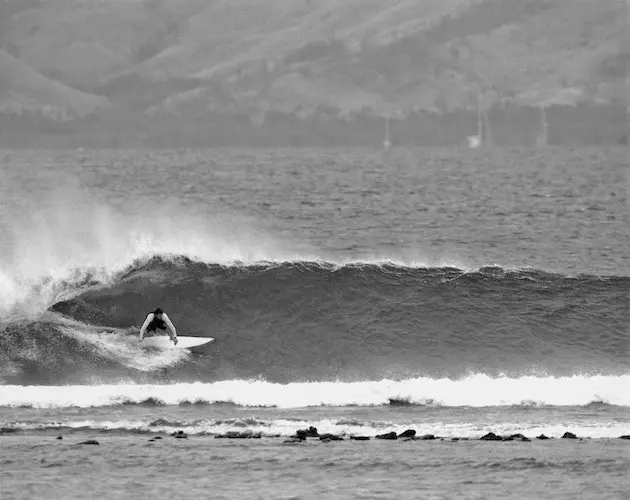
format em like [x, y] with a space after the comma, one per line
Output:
[159, 60]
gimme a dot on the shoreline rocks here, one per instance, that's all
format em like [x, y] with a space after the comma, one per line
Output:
[302, 435]
[90, 441]
[239, 435]
[388, 435]
[491, 436]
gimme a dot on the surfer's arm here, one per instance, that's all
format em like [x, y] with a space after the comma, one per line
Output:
[145, 325]
[170, 325]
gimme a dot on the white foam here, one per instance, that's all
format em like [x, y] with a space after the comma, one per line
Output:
[473, 391]
[123, 348]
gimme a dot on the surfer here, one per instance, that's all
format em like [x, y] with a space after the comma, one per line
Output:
[158, 319]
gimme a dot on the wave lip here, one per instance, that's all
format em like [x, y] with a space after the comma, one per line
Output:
[26, 294]
[473, 391]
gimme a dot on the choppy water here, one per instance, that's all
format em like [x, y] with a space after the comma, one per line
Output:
[450, 292]
[135, 468]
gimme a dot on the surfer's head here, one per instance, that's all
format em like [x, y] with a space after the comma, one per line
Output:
[158, 311]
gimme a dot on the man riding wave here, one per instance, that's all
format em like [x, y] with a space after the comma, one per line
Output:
[158, 319]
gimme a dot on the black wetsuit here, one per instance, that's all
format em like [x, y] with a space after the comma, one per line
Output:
[156, 323]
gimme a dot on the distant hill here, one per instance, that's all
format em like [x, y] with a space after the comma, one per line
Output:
[156, 61]
[24, 91]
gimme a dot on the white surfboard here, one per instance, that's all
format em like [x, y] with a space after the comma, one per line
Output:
[182, 342]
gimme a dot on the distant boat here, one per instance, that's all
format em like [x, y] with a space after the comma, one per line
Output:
[474, 141]
[387, 143]
[542, 139]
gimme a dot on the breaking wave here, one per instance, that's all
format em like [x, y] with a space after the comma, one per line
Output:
[473, 391]
[309, 321]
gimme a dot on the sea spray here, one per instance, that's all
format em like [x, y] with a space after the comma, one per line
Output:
[65, 234]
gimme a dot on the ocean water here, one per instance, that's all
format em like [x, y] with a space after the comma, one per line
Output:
[448, 292]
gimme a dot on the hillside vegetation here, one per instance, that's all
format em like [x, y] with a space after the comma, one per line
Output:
[118, 59]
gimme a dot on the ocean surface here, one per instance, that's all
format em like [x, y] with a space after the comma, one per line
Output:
[452, 293]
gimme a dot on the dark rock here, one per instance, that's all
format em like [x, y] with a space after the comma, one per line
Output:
[239, 435]
[399, 402]
[491, 436]
[409, 433]
[517, 436]
[330, 437]
[360, 438]
[388, 435]
[90, 441]
[179, 435]
[427, 437]
[7, 430]
[157, 437]
[625, 436]
[310, 432]
[59, 437]
[453, 439]
[569, 435]
[542, 436]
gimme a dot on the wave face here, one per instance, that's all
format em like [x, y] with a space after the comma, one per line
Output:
[307, 321]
